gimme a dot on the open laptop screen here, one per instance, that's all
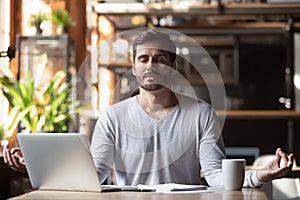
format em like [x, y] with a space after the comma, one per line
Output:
[59, 161]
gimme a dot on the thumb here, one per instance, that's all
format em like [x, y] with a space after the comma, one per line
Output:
[291, 160]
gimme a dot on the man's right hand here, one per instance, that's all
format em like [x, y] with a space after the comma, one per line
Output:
[14, 159]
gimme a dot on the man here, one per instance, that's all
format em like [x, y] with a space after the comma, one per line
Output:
[161, 136]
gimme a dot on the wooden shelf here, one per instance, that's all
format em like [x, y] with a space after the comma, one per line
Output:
[231, 19]
[236, 28]
[259, 114]
[160, 9]
[116, 65]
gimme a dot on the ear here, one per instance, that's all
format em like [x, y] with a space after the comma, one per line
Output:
[174, 67]
[133, 70]
[174, 64]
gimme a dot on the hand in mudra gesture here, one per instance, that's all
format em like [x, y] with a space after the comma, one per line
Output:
[14, 159]
[277, 168]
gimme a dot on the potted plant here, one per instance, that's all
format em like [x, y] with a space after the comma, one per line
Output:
[36, 20]
[21, 94]
[47, 110]
[61, 19]
[56, 103]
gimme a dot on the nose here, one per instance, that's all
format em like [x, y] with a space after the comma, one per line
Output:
[150, 63]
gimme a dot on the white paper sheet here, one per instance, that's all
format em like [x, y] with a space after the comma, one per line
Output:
[176, 188]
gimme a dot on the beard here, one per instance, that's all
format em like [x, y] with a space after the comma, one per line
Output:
[154, 85]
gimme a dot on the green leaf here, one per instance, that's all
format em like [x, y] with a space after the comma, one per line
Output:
[62, 18]
[19, 115]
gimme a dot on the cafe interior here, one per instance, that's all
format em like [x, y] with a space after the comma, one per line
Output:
[254, 45]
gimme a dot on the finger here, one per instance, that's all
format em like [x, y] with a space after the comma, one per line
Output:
[15, 150]
[19, 153]
[291, 158]
[284, 162]
[5, 149]
[16, 161]
[22, 161]
[281, 153]
[278, 157]
[283, 159]
[8, 157]
[12, 160]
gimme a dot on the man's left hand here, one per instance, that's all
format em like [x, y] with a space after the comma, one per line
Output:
[277, 168]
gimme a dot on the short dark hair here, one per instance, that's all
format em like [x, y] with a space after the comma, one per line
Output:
[150, 35]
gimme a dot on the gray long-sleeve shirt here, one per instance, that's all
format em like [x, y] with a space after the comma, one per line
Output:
[173, 149]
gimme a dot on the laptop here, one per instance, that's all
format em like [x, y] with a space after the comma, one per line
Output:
[62, 161]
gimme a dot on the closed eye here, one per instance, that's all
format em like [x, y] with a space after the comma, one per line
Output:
[143, 58]
[161, 58]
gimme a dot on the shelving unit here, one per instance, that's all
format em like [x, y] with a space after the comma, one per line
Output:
[238, 20]
[235, 20]
[244, 12]
[40, 54]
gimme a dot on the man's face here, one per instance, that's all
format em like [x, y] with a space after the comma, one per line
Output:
[152, 66]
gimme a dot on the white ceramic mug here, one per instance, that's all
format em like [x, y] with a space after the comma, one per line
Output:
[233, 173]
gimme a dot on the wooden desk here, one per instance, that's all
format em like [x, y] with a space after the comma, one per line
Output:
[217, 194]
